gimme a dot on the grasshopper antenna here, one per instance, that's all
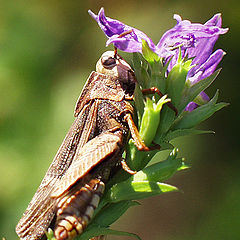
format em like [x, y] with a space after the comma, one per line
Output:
[121, 35]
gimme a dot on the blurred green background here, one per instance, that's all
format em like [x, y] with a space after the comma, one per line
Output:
[47, 51]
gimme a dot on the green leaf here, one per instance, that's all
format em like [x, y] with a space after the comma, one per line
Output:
[167, 118]
[185, 132]
[141, 67]
[134, 157]
[137, 65]
[191, 119]
[183, 167]
[157, 75]
[166, 145]
[137, 160]
[112, 212]
[98, 231]
[137, 190]
[148, 54]
[159, 171]
[136, 61]
[146, 80]
[139, 103]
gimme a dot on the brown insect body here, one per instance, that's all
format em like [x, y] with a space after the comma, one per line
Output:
[89, 153]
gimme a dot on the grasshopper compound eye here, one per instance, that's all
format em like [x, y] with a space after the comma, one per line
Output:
[108, 62]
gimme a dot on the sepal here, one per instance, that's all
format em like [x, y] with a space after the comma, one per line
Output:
[176, 80]
[198, 115]
[192, 91]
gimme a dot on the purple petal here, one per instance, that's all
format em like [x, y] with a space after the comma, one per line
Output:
[201, 99]
[131, 42]
[211, 64]
[204, 97]
[191, 106]
[109, 26]
[196, 40]
[216, 20]
[207, 68]
[204, 47]
[127, 45]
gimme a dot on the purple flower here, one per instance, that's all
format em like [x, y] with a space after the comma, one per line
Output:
[195, 41]
[112, 28]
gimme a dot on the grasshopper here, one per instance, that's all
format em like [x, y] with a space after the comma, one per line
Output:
[89, 155]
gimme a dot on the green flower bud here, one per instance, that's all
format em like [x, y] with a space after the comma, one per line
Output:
[148, 128]
[151, 119]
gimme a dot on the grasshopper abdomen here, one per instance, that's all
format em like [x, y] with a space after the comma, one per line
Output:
[75, 211]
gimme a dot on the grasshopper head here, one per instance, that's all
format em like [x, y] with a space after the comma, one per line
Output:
[114, 66]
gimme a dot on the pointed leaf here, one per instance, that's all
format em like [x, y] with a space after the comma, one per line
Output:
[148, 54]
[158, 79]
[141, 66]
[185, 132]
[160, 171]
[190, 93]
[165, 145]
[136, 61]
[167, 118]
[139, 103]
[146, 80]
[191, 119]
[137, 190]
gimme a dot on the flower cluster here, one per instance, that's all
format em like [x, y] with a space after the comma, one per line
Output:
[194, 40]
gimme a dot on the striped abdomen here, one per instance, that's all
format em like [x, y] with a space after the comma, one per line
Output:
[74, 212]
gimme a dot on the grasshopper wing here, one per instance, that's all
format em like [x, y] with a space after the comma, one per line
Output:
[42, 208]
[102, 147]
